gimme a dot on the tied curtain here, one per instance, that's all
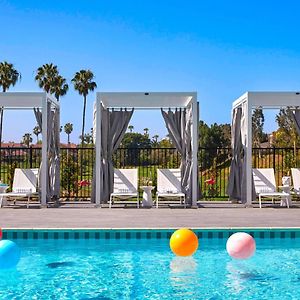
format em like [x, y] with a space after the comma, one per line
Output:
[237, 185]
[114, 124]
[296, 117]
[178, 124]
[53, 150]
[235, 175]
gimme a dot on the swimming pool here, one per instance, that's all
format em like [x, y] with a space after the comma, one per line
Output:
[139, 265]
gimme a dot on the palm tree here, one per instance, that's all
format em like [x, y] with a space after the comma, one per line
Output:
[88, 138]
[83, 83]
[50, 81]
[130, 127]
[155, 138]
[8, 77]
[36, 131]
[146, 130]
[60, 87]
[27, 139]
[68, 130]
[45, 76]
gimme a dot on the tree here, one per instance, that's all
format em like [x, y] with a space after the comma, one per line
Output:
[258, 121]
[9, 76]
[68, 128]
[130, 127]
[50, 81]
[37, 131]
[226, 130]
[27, 139]
[46, 75]
[60, 87]
[155, 137]
[146, 131]
[211, 138]
[135, 140]
[286, 135]
[88, 138]
[83, 83]
[165, 143]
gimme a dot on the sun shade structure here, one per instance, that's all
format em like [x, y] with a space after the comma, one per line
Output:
[240, 185]
[112, 114]
[47, 112]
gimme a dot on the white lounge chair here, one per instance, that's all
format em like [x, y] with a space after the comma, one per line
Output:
[296, 180]
[169, 185]
[24, 186]
[125, 185]
[265, 186]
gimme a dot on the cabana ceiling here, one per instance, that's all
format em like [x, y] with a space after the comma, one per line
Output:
[144, 100]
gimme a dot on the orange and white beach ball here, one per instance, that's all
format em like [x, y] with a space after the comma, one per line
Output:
[241, 245]
[184, 242]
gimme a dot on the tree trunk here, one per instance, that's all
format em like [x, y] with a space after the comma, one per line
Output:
[82, 133]
[83, 120]
[68, 138]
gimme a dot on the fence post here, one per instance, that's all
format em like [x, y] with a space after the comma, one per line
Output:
[274, 158]
[30, 157]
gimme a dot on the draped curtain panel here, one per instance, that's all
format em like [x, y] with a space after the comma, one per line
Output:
[53, 152]
[244, 162]
[296, 117]
[54, 164]
[235, 175]
[114, 124]
[1, 122]
[38, 117]
[178, 124]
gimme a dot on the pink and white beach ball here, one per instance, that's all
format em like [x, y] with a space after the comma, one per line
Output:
[241, 245]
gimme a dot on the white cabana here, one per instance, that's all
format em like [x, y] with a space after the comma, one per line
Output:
[46, 110]
[111, 108]
[242, 110]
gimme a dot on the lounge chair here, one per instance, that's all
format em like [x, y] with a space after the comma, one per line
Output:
[296, 180]
[125, 185]
[24, 186]
[265, 186]
[169, 185]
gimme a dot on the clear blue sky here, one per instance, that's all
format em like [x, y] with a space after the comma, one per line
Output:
[218, 48]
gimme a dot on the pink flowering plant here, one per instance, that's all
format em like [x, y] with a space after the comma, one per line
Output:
[83, 183]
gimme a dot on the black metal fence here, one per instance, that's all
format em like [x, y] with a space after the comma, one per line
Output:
[214, 164]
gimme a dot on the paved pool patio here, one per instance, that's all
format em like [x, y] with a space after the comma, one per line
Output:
[208, 216]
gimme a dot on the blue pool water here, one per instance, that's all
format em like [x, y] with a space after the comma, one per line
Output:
[146, 269]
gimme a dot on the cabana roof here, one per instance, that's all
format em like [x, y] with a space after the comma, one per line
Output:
[269, 99]
[25, 100]
[145, 100]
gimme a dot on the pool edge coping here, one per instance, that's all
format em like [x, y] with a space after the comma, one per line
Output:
[147, 228]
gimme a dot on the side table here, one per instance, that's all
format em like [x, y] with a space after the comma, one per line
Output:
[147, 196]
[286, 189]
[3, 189]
